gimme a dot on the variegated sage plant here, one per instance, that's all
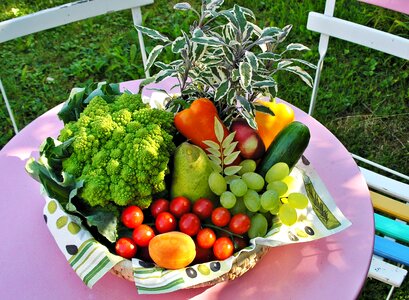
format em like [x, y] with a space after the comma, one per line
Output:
[227, 58]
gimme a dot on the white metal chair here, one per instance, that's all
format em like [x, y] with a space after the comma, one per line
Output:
[65, 14]
[389, 196]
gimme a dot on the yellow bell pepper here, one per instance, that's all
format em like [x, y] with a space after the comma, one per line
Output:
[269, 126]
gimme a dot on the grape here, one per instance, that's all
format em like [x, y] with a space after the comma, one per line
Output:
[247, 165]
[238, 187]
[277, 172]
[239, 207]
[269, 200]
[289, 181]
[227, 199]
[253, 181]
[278, 186]
[258, 226]
[217, 183]
[297, 200]
[276, 209]
[252, 200]
[287, 214]
[230, 178]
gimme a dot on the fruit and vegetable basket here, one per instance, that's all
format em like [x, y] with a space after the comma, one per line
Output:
[193, 185]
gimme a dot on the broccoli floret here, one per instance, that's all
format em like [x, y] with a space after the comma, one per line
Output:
[121, 150]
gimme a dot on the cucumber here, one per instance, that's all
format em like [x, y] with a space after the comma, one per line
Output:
[288, 146]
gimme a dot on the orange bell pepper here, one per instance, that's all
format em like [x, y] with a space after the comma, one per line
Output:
[269, 126]
[196, 123]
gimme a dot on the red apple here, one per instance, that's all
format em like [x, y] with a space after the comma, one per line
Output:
[249, 142]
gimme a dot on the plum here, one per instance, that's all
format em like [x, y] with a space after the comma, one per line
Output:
[249, 142]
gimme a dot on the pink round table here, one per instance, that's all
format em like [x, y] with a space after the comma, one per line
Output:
[331, 268]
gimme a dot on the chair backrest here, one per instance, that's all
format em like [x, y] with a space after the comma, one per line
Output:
[65, 14]
[389, 196]
[329, 26]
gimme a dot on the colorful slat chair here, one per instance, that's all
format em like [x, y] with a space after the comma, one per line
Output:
[390, 197]
[62, 15]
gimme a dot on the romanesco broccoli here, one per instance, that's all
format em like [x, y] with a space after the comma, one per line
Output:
[121, 150]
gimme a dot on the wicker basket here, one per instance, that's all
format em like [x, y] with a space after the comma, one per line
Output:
[244, 262]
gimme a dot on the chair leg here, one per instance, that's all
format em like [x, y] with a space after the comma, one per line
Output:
[9, 110]
[137, 20]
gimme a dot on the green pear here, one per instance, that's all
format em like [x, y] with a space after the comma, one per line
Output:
[191, 172]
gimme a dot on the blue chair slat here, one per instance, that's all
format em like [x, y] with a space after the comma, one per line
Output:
[391, 250]
[392, 228]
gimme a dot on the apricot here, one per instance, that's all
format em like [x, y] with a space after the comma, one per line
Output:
[172, 250]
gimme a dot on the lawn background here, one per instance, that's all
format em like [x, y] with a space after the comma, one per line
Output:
[363, 99]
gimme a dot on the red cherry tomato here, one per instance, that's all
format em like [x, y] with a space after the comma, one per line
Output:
[205, 238]
[179, 206]
[221, 216]
[223, 248]
[240, 223]
[132, 216]
[159, 206]
[142, 235]
[125, 247]
[203, 208]
[190, 224]
[165, 222]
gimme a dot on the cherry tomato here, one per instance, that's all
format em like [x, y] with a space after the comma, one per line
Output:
[223, 248]
[179, 206]
[132, 216]
[240, 223]
[221, 216]
[205, 238]
[190, 224]
[202, 255]
[142, 235]
[159, 206]
[203, 208]
[125, 247]
[165, 222]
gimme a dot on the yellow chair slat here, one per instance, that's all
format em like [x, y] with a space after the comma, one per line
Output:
[390, 206]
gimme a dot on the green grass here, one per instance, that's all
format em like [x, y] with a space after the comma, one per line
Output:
[363, 99]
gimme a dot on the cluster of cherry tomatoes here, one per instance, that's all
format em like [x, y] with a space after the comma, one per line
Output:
[215, 231]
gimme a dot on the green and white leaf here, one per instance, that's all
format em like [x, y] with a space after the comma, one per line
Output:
[301, 73]
[271, 32]
[153, 55]
[231, 157]
[312, 66]
[241, 18]
[252, 60]
[208, 41]
[222, 90]
[297, 46]
[178, 44]
[182, 6]
[269, 56]
[164, 74]
[154, 34]
[246, 74]
[231, 17]
[231, 170]
[218, 130]
[235, 75]
[284, 63]
[265, 83]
